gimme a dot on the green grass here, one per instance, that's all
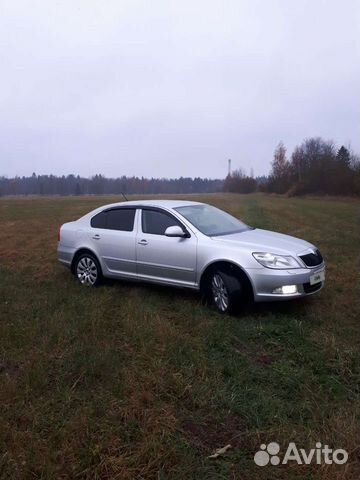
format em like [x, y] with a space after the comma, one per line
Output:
[132, 381]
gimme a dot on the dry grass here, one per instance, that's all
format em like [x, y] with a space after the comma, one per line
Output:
[140, 382]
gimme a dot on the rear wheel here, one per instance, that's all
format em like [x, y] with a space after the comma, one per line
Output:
[225, 292]
[87, 270]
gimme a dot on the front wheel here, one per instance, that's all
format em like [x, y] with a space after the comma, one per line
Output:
[87, 270]
[226, 292]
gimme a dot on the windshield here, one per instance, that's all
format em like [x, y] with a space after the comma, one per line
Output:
[211, 221]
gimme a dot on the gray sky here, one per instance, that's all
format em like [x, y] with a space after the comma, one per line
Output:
[171, 88]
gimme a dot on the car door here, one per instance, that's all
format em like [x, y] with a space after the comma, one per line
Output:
[113, 237]
[162, 258]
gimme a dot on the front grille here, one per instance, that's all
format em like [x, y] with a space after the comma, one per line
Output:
[312, 259]
[311, 288]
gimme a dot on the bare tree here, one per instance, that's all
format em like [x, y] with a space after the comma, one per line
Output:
[280, 176]
[280, 165]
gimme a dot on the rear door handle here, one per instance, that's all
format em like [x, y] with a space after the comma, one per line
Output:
[96, 236]
[143, 242]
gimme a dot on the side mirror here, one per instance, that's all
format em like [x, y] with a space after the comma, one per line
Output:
[175, 231]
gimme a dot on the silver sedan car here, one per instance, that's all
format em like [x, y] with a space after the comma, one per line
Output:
[193, 245]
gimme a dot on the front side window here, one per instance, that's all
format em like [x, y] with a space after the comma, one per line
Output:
[156, 222]
[117, 219]
[211, 221]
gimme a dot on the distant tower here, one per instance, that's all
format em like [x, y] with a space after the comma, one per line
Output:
[229, 167]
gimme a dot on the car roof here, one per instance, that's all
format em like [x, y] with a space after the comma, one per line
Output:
[152, 203]
[167, 204]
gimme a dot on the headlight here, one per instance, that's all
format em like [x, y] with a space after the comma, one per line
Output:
[270, 260]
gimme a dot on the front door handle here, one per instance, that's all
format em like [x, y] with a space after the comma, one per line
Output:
[143, 242]
[96, 236]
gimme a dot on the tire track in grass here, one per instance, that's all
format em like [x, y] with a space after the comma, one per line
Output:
[255, 214]
[329, 226]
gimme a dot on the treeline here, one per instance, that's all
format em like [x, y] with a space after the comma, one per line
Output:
[316, 166]
[99, 185]
[239, 182]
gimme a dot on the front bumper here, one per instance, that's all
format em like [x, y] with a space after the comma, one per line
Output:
[266, 280]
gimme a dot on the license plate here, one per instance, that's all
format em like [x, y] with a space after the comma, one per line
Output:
[317, 277]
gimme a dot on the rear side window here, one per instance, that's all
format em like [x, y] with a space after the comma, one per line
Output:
[121, 219]
[99, 221]
[118, 219]
[156, 222]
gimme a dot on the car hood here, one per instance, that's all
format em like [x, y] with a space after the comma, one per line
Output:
[259, 240]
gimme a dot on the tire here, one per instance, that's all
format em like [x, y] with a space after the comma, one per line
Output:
[87, 270]
[225, 292]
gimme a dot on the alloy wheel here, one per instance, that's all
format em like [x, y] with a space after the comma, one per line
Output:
[87, 271]
[220, 293]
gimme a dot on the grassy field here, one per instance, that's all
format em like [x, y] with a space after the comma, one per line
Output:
[131, 381]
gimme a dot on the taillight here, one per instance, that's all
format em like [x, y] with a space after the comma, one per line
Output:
[59, 234]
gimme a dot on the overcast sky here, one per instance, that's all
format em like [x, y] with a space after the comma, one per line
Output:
[171, 88]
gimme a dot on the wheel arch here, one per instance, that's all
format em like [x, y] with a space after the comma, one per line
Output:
[81, 251]
[229, 267]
